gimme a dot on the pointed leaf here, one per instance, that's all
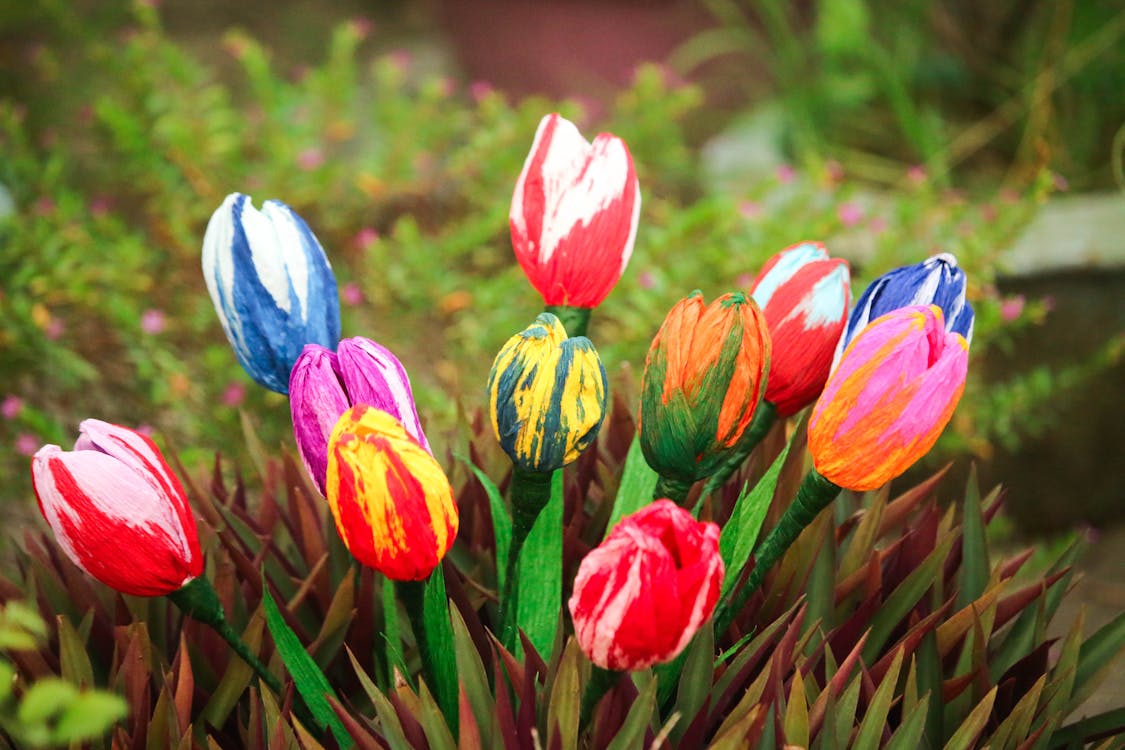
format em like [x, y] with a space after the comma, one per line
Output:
[637, 485]
[631, 736]
[909, 734]
[971, 728]
[975, 566]
[740, 533]
[501, 520]
[540, 595]
[875, 720]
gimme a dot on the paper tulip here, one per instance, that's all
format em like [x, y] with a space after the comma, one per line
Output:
[323, 384]
[804, 295]
[934, 281]
[272, 286]
[546, 395]
[641, 595]
[391, 500]
[118, 511]
[574, 214]
[889, 398]
[704, 375]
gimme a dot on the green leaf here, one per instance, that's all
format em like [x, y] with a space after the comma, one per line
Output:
[74, 659]
[740, 533]
[89, 715]
[909, 734]
[7, 675]
[975, 566]
[45, 699]
[1015, 727]
[631, 736]
[540, 592]
[797, 714]
[845, 712]
[695, 679]
[971, 727]
[501, 520]
[474, 681]
[392, 635]
[566, 699]
[638, 481]
[390, 726]
[1100, 650]
[433, 721]
[899, 603]
[439, 634]
[310, 682]
[875, 720]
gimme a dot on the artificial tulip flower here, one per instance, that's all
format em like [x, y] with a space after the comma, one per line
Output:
[546, 395]
[271, 285]
[934, 281]
[641, 595]
[890, 397]
[574, 214]
[392, 502]
[118, 511]
[704, 376]
[323, 384]
[804, 296]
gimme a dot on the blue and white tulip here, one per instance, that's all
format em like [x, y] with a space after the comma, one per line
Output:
[272, 286]
[935, 281]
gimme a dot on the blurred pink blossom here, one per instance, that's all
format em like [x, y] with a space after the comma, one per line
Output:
[234, 394]
[834, 170]
[145, 429]
[1012, 307]
[27, 444]
[310, 158]
[352, 294]
[750, 209]
[100, 205]
[480, 90]
[365, 238]
[916, 174]
[786, 174]
[850, 213]
[55, 328]
[988, 212]
[362, 26]
[877, 225]
[401, 59]
[744, 280]
[646, 280]
[44, 205]
[153, 321]
[10, 407]
[1049, 303]
[1059, 182]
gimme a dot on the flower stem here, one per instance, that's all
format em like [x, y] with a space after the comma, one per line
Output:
[674, 489]
[435, 645]
[814, 495]
[531, 491]
[601, 682]
[199, 601]
[764, 419]
[574, 319]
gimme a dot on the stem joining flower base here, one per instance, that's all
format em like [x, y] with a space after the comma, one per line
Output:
[413, 596]
[198, 600]
[675, 490]
[814, 495]
[574, 319]
[531, 491]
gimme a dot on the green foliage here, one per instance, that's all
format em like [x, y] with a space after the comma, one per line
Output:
[46, 711]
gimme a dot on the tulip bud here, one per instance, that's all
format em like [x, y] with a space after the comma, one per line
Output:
[641, 595]
[118, 511]
[323, 384]
[804, 296]
[890, 397]
[272, 286]
[574, 214]
[547, 395]
[391, 500]
[704, 375]
[934, 281]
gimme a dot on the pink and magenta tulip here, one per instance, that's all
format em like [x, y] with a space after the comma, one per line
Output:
[574, 214]
[889, 398]
[118, 511]
[324, 384]
[642, 594]
[804, 296]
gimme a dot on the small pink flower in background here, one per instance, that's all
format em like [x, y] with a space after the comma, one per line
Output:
[744, 281]
[351, 294]
[10, 407]
[1059, 182]
[917, 174]
[989, 213]
[445, 85]
[1049, 303]
[55, 329]
[785, 174]
[877, 225]
[310, 158]
[100, 205]
[144, 429]
[850, 213]
[153, 321]
[480, 90]
[750, 209]
[44, 206]
[365, 238]
[362, 26]
[1012, 307]
[834, 170]
[646, 280]
[401, 59]
[26, 444]
[234, 394]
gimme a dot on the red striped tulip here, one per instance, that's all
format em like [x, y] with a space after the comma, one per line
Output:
[704, 375]
[642, 594]
[804, 295]
[574, 214]
[889, 398]
[118, 511]
[391, 500]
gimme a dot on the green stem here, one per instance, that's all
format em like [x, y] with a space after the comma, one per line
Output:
[574, 319]
[764, 419]
[199, 601]
[531, 491]
[431, 649]
[674, 489]
[814, 495]
[601, 682]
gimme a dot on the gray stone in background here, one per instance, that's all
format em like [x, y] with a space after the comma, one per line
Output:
[1071, 233]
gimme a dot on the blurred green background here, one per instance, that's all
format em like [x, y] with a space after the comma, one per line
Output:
[891, 130]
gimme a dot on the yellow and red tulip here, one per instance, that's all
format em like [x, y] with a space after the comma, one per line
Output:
[704, 376]
[888, 399]
[392, 502]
